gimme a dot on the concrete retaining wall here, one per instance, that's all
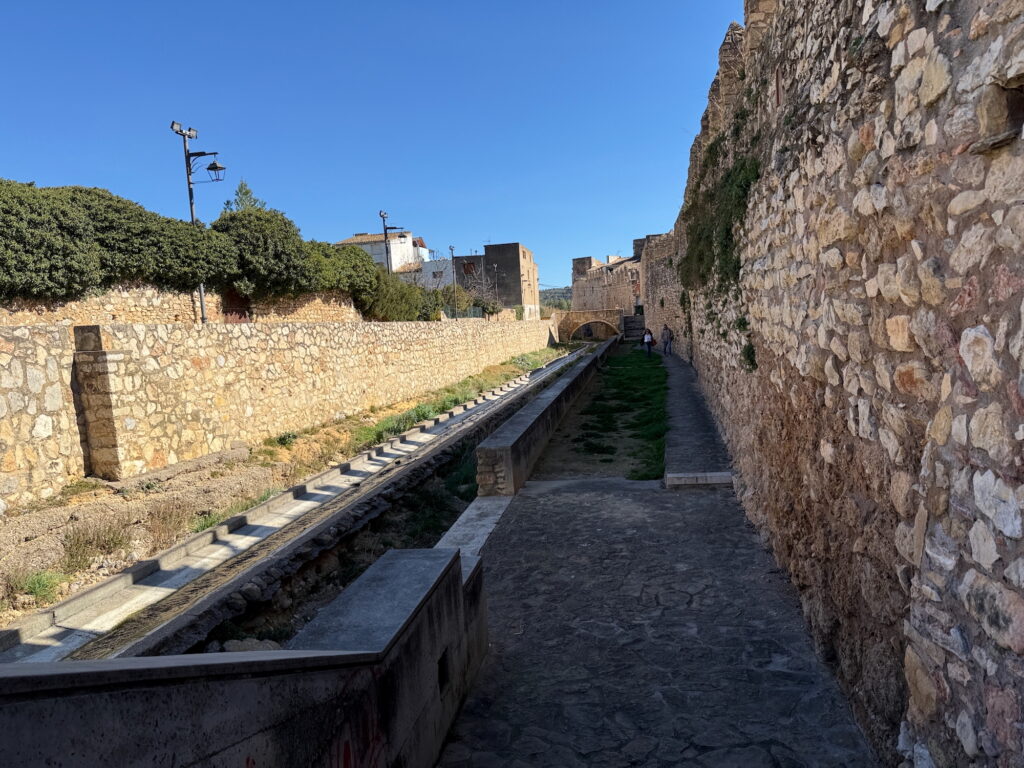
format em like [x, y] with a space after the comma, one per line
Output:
[375, 680]
[504, 459]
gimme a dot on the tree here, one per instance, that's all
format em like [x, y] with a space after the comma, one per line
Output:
[244, 200]
[463, 298]
[345, 268]
[393, 299]
[271, 254]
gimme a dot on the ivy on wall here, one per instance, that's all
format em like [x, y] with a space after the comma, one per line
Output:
[711, 217]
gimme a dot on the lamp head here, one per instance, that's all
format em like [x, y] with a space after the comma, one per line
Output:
[176, 127]
[216, 171]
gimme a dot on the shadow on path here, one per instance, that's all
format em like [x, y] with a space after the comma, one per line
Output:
[632, 625]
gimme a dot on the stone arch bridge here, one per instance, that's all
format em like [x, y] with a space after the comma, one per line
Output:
[570, 322]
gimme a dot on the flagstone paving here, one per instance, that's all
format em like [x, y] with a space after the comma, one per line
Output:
[636, 626]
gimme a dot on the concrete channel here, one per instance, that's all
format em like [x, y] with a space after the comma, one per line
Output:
[377, 676]
[110, 618]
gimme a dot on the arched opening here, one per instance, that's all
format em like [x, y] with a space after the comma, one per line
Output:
[594, 330]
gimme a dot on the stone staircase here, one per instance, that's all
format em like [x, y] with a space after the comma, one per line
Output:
[632, 327]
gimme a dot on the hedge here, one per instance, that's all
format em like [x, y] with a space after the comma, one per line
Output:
[66, 243]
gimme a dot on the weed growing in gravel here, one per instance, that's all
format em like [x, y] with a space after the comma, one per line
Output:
[285, 439]
[217, 517]
[166, 522]
[42, 585]
[84, 541]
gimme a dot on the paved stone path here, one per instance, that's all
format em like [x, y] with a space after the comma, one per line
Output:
[632, 625]
[692, 443]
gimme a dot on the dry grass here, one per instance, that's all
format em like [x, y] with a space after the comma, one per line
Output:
[167, 522]
[84, 541]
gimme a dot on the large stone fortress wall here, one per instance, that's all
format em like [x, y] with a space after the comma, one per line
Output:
[147, 396]
[600, 285]
[879, 438]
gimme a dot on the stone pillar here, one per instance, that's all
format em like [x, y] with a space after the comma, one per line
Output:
[107, 380]
[99, 377]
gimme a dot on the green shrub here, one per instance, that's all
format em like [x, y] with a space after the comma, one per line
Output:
[47, 246]
[271, 254]
[392, 299]
[749, 357]
[286, 439]
[345, 268]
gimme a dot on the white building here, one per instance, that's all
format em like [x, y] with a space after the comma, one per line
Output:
[407, 252]
[432, 274]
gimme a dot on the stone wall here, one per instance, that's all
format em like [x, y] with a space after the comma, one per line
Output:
[663, 304]
[307, 308]
[151, 306]
[118, 400]
[615, 285]
[165, 394]
[129, 304]
[40, 444]
[880, 299]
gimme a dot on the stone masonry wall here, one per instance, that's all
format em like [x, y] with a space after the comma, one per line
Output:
[150, 306]
[662, 290]
[119, 400]
[878, 440]
[307, 308]
[607, 286]
[129, 304]
[40, 439]
[171, 393]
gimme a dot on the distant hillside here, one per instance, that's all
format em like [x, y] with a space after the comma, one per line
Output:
[549, 296]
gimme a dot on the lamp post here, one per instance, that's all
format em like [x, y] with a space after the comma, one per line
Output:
[387, 244]
[455, 289]
[216, 171]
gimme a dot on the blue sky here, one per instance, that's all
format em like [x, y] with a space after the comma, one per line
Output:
[564, 125]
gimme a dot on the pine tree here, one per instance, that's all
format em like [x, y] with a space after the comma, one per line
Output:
[244, 200]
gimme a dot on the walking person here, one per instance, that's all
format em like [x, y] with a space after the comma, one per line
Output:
[648, 340]
[667, 337]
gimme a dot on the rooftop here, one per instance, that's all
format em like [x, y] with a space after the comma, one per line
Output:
[365, 237]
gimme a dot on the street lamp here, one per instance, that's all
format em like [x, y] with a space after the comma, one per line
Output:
[216, 171]
[387, 245]
[455, 287]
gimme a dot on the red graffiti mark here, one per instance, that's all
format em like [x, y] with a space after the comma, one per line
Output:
[250, 762]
